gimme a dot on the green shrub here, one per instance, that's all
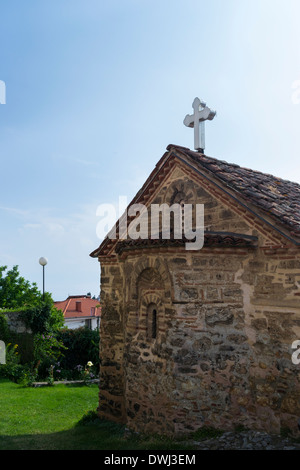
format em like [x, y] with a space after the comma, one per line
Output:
[66, 352]
[79, 347]
[82, 346]
[25, 342]
[4, 330]
[13, 370]
[43, 317]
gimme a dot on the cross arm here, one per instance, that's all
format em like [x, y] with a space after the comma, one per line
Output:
[206, 114]
[189, 121]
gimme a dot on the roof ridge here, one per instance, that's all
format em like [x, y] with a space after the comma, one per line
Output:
[201, 158]
[67, 306]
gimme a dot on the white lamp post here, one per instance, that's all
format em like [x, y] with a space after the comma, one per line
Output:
[43, 262]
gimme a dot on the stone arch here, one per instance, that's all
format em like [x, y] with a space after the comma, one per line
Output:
[148, 369]
[137, 298]
[150, 304]
[182, 190]
[155, 263]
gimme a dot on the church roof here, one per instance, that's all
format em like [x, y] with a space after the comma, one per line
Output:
[278, 199]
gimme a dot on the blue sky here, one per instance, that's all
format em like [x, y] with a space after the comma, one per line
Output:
[96, 90]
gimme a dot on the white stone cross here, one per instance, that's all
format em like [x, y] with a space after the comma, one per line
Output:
[197, 120]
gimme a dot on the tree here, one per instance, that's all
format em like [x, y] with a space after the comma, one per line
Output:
[43, 317]
[39, 313]
[15, 291]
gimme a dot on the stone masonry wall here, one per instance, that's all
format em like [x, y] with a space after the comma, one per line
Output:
[223, 353]
[16, 323]
[234, 345]
[112, 387]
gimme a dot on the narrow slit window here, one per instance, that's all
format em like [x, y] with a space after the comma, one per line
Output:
[154, 323]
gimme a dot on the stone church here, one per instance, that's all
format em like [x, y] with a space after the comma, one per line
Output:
[204, 338]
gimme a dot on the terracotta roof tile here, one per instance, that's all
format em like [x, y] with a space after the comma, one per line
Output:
[279, 198]
[210, 239]
[88, 307]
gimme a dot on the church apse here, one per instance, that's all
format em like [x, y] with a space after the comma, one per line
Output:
[147, 360]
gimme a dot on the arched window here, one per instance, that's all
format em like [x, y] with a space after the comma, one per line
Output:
[152, 321]
[150, 304]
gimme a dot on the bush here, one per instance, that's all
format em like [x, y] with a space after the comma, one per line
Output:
[79, 347]
[83, 346]
[4, 330]
[15, 371]
[43, 317]
[62, 355]
[25, 342]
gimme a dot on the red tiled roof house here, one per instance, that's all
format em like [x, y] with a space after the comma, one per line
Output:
[80, 310]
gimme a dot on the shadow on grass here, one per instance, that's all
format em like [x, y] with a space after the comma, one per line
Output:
[90, 434]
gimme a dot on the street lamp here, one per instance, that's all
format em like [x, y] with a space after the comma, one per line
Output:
[43, 262]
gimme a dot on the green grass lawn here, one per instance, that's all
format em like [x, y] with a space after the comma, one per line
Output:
[55, 418]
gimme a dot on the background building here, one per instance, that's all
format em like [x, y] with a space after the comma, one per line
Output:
[80, 310]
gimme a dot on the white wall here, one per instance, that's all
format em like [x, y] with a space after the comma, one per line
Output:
[78, 323]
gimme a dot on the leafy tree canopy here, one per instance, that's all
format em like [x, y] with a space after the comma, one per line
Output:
[15, 291]
[18, 293]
